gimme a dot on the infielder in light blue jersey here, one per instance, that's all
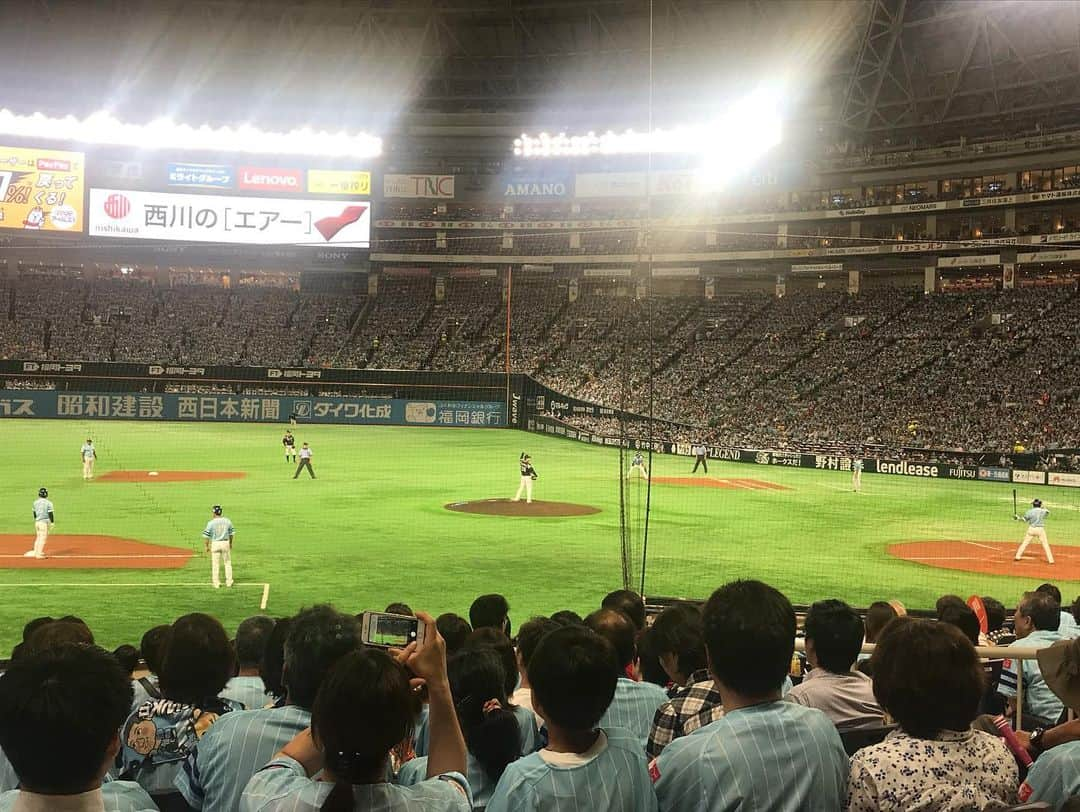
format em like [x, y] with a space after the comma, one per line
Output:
[44, 518]
[1036, 522]
[217, 540]
[637, 465]
[88, 455]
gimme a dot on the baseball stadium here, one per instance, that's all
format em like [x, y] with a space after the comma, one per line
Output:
[631, 329]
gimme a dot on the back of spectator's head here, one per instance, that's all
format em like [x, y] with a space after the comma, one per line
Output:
[995, 613]
[568, 617]
[835, 631]
[60, 713]
[318, 637]
[678, 638]
[58, 633]
[530, 634]
[649, 660]
[750, 637]
[454, 630]
[963, 618]
[927, 676]
[617, 628]
[878, 615]
[573, 673]
[152, 647]
[490, 638]
[946, 601]
[1041, 609]
[364, 708]
[251, 637]
[490, 611]
[1051, 590]
[128, 657]
[478, 685]
[629, 603]
[197, 662]
[399, 609]
[35, 624]
[272, 667]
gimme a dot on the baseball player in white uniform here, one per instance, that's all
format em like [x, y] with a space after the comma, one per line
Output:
[1036, 522]
[528, 476]
[856, 474]
[44, 518]
[637, 465]
[88, 455]
[217, 539]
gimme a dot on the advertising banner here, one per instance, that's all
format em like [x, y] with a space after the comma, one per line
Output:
[1029, 477]
[201, 176]
[338, 182]
[41, 189]
[994, 474]
[237, 409]
[428, 187]
[535, 187]
[270, 179]
[220, 219]
[1067, 480]
[632, 184]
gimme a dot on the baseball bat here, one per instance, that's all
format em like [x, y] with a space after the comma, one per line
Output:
[1014, 502]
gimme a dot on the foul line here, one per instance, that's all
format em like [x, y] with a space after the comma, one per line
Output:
[186, 585]
[104, 555]
[265, 596]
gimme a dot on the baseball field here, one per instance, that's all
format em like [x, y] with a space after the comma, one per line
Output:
[374, 526]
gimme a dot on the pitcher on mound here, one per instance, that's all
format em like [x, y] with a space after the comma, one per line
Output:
[528, 476]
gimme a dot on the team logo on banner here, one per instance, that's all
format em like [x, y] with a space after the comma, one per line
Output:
[41, 189]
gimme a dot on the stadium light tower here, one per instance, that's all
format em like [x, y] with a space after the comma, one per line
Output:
[733, 142]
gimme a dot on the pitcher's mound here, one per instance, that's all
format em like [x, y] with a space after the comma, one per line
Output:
[168, 476]
[508, 507]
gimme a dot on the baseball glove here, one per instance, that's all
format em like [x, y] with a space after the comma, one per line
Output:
[535, 476]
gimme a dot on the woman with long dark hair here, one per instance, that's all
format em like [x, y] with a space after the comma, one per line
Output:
[488, 720]
[368, 705]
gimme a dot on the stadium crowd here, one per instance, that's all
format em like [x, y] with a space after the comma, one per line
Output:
[813, 369]
[705, 708]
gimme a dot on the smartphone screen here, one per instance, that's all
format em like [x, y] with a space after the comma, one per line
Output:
[390, 630]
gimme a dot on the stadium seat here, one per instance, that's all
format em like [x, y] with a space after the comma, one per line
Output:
[857, 739]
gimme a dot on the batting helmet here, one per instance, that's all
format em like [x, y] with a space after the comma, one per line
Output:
[1037, 503]
[217, 510]
[43, 492]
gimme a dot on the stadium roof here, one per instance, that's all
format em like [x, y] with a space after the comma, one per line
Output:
[863, 70]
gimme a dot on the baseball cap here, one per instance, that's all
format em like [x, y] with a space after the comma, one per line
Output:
[1060, 667]
[217, 508]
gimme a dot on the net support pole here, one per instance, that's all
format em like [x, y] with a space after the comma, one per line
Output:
[509, 296]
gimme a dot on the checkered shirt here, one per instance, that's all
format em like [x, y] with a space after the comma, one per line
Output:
[690, 708]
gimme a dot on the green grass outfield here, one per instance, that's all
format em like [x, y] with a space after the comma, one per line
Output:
[372, 529]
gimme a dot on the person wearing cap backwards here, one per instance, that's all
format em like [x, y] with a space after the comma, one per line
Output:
[1055, 777]
[44, 519]
[528, 476]
[1036, 522]
[217, 540]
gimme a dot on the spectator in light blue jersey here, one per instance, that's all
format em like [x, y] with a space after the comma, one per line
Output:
[240, 744]
[764, 754]
[366, 707]
[60, 710]
[1067, 628]
[635, 703]
[247, 687]
[487, 720]
[584, 766]
[1036, 622]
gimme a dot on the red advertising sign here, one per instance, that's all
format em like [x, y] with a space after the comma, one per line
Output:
[270, 179]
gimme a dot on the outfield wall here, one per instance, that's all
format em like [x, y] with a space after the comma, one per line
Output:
[798, 459]
[239, 409]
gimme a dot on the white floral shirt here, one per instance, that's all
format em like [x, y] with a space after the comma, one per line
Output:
[957, 771]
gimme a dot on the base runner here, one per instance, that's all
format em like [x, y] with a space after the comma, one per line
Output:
[44, 519]
[217, 540]
[1036, 522]
[637, 465]
[88, 455]
[528, 476]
